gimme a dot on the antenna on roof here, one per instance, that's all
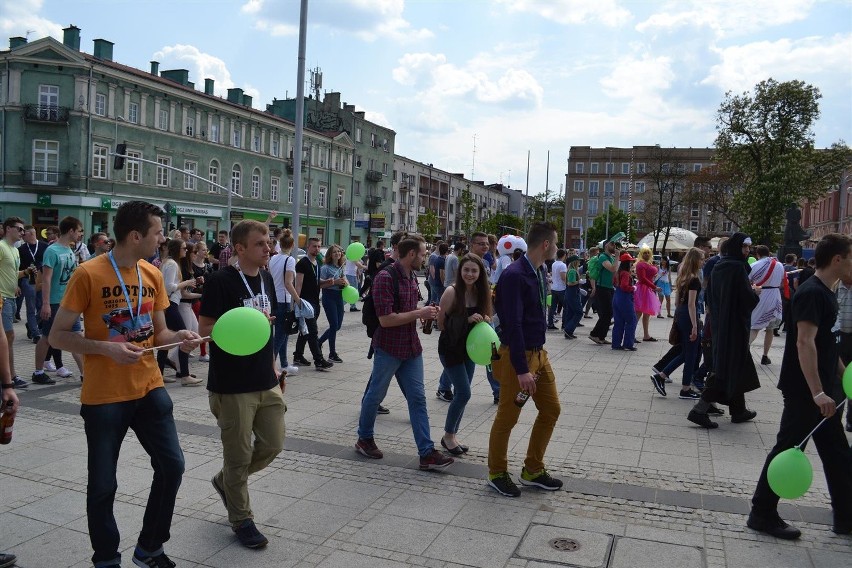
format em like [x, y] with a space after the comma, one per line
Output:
[316, 81]
[28, 34]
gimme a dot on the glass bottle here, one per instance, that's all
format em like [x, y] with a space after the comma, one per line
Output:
[6, 422]
[524, 395]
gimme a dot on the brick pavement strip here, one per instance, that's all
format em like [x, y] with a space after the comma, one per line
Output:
[660, 503]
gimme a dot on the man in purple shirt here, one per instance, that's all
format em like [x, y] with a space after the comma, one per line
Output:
[523, 365]
[398, 352]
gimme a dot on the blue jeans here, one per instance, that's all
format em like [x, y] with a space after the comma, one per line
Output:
[150, 418]
[33, 301]
[436, 290]
[624, 328]
[690, 349]
[461, 376]
[332, 303]
[279, 343]
[572, 311]
[555, 303]
[409, 375]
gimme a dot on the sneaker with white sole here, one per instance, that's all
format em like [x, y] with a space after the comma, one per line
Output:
[291, 370]
[64, 373]
[542, 480]
[49, 367]
[204, 358]
[503, 484]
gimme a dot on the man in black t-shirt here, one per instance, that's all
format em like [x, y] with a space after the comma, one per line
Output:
[245, 396]
[217, 248]
[811, 384]
[308, 286]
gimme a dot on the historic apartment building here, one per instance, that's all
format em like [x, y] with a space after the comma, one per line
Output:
[63, 112]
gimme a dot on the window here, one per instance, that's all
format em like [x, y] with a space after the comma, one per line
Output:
[610, 168]
[255, 184]
[357, 161]
[640, 168]
[639, 223]
[322, 192]
[236, 180]
[214, 131]
[579, 167]
[578, 185]
[625, 168]
[357, 187]
[384, 192]
[681, 169]
[695, 211]
[133, 113]
[356, 211]
[385, 168]
[189, 181]
[693, 226]
[593, 207]
[274, 146]
[100, 104]
[622, 204]
[727, 226]
[593, 168]
[237, 141]
[373, 140]
[307, 200]
[607, 204]
[274, 183]
[624, 187]
[290, 191]
[190, 126]
[594, 186]
[358, 134]
[640, 187]
[213, 176]
[45, 162]
[609, 188]
[577, 204]
[665, 169]
[576, 222]
[48, 102]
[639, 205]
[99, 161]
[163, 120]
[696, 167]
[163, 174]
[255, 143]
[132, 167]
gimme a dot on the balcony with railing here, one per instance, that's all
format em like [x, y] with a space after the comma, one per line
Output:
[373, 175]
[403, 206]
[44, 178]
[373, 201]
[404, 187]
[51, 114]
[343, 212]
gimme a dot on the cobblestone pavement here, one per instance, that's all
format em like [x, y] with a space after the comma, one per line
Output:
[644, 487]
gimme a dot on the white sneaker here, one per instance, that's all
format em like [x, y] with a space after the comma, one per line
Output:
[204, 358]
[64, 373]
[49, 367]
[291, 370]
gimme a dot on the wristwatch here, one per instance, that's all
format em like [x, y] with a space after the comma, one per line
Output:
[8, 385]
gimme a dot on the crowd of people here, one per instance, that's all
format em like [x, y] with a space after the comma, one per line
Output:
[141, 291]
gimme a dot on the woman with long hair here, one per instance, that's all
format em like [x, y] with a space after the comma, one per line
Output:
[464, 304]
[332, 298]
[623, 311]
[175, 251]
[191, 294]
[645, 298]
[201, 268]
[686, 317]
[282, 266]
[664, 286]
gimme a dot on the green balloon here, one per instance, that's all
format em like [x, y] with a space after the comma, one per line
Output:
[350, 294]
[751, 260]
[479, 342]
[790, 474]
[355, 251]
[241, 331]
[847, 381]
[549, 299]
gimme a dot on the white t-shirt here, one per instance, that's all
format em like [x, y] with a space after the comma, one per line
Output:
[277, 265]
[351, 268]
[557, 283]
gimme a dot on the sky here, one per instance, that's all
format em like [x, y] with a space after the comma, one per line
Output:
[472, 86]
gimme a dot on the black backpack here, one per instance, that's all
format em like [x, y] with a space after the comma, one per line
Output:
[368, 308]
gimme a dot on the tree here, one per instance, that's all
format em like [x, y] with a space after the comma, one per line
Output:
[765, 140]
[427, 224]
[617, 224]
[713, 189]
[668, 175]
[542, 207]
[467, 211]
[501, 224]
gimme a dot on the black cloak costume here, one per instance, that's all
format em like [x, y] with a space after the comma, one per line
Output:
[731, 301]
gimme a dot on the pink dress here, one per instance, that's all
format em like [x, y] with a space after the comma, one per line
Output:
[645, 299]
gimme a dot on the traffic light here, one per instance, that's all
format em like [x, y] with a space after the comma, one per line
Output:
[120, 151]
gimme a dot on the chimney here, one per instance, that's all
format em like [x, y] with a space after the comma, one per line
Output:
[103, 49]
[208, 86]
[71, 37]
[235, 95]
[247, 100]
[16, 42]
[155, 68]
[179, 76]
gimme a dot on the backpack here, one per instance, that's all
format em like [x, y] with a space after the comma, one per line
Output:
[785, 287]
[368, 308]
[593, 268]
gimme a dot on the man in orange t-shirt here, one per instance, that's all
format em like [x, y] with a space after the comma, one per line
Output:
[122, 299]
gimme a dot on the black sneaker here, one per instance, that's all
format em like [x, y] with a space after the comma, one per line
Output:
[701, 419]
[159, 561]
[249, 536]
[569, 335]
[765, 360]
[367, 447]
[300, 360]
[744, 417]
[496, 399]
[19, 382]
[659, 384]
[322, 365]
[504, 485]
[334, 358]
[36, 339]
[354, 309]
[542, 480]
[552, 327]
[435, 460]
[382, 410]
[7, 559]
[43, 379]
[446, 396]
[689, 395]
[774, 526]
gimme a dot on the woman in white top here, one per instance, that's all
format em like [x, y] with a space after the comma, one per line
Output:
[352, 271]
[174, 286]
[282, 267]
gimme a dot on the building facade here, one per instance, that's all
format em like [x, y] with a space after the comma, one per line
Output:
[830, 214]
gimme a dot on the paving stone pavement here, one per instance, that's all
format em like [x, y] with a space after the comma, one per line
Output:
[643, 486]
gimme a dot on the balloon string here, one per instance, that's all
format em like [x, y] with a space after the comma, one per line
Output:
[170, 345]
[808, 437]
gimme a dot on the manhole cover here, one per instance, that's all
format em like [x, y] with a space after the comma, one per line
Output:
[564, 544]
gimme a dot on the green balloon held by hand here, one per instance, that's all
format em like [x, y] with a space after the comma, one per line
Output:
[847, 381]
[355, 251]
[790, 474]
[479, 342]
[241, 331]
[350, 295]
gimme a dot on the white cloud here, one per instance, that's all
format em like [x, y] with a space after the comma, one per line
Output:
[726, 17]
[368, 20]
[639, 79]
[607, 12]
[18, 18]
[744, 65]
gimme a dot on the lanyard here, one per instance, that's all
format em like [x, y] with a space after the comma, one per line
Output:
[542, 289]
[32, 253]
[259, 303]
[126, 292]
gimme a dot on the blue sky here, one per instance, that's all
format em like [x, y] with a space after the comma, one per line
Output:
[506, 75]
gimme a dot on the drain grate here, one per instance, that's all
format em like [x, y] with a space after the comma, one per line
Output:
[564, 544]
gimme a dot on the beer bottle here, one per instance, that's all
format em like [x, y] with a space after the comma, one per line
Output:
[6, 422]
[494, 355]
[524, 395]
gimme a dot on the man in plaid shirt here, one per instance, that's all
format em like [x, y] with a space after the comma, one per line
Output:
[398, 352]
